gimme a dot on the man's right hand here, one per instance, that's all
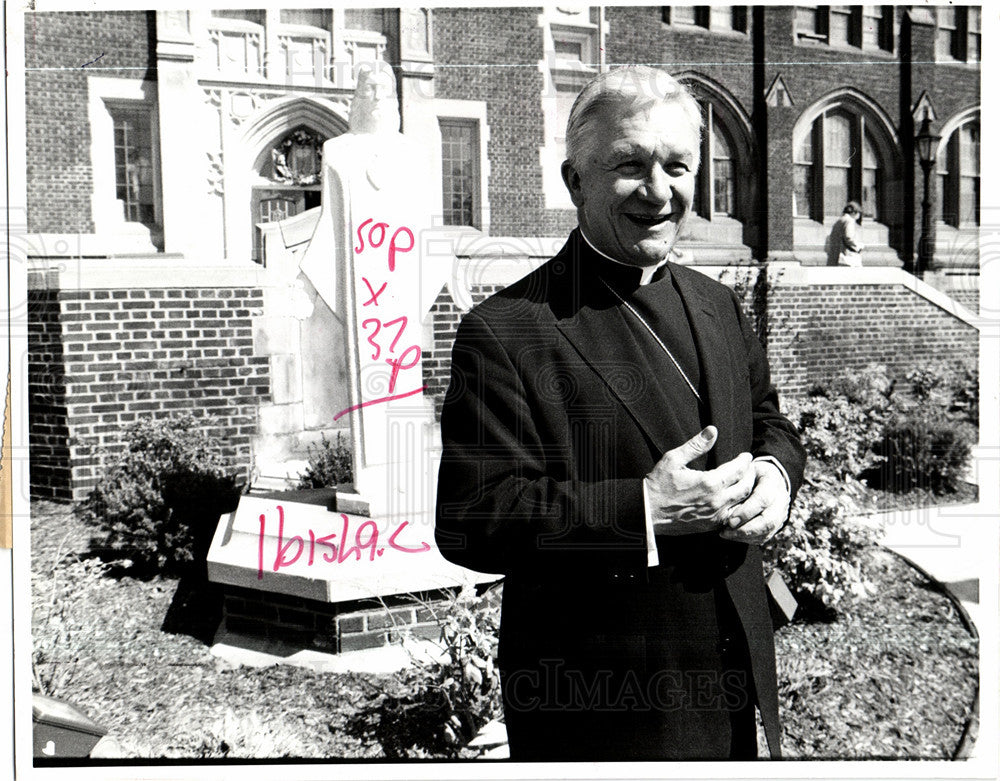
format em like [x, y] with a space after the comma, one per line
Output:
[688, 501]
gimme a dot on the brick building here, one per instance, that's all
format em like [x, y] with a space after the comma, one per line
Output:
[159, 172]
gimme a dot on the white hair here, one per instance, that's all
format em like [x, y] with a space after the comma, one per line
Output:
[630, 87]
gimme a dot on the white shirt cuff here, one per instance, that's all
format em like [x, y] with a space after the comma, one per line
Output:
[777, 463]
[652, 557]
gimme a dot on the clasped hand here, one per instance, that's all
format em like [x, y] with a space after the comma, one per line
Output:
[743, 499]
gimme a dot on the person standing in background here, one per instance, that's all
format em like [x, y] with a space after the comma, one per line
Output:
[845, 238]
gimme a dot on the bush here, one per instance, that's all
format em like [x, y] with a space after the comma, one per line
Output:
[330, 465]
[821, 549]
[841, 423]
[444, 702]
[871, 387]
[965, 393]
[158, 504]
[924, 449]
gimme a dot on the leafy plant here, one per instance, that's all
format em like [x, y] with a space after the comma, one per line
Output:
[841, 423]
[965, 392]
[952, 387]
[158, 503]
[329, 465]
[924, 449]
[820, 551]
[437, 705]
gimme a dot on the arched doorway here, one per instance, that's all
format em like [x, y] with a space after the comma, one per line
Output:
[286, 182]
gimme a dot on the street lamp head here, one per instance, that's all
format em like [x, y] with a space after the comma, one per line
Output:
[927, 143]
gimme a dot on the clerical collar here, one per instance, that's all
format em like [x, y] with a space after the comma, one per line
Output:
[646, 272]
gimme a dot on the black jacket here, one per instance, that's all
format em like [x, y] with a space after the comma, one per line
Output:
[548, 427]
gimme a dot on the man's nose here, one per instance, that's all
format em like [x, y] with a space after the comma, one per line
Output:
[657, 186]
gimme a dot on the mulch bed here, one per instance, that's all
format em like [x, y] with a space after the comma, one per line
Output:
[893, 677]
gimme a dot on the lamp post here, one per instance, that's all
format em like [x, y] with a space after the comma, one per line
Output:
[927, 144]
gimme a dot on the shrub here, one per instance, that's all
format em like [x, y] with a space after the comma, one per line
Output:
[951, 387]
[965, 393]
[820, 551]
[444, 702]
[329, 465]
[158, 504]
[924, 449]
[841, 423]
[871, 387]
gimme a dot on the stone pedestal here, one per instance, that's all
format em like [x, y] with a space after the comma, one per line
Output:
[299, 575]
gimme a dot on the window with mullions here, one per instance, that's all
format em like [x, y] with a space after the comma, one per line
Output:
[958, 177]
[869, 27]
[959, 33]
[715, 188]
[829, 171]
[460, 171]
[134, 175]
[714, 17]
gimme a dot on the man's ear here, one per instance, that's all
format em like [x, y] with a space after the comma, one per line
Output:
[571, 177]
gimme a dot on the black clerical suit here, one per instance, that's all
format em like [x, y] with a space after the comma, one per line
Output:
[560, 403]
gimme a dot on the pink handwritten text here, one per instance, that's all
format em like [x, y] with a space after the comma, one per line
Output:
[384, 333]
[361, 543]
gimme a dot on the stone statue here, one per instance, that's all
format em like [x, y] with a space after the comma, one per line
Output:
[374, 108]
[365, 262]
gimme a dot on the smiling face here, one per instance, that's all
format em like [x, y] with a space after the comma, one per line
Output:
[634, 180]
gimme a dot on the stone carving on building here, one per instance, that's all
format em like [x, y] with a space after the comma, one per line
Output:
[777, 94]
[296, 160]
[416, 37]
[216, 175]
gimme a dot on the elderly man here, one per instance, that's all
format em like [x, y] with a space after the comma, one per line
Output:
[613, 446]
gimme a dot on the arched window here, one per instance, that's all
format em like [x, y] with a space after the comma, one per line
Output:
[958, 176]
[715, 192]
[838, 160]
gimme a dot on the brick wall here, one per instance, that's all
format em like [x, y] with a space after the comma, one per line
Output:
[61, 51]
[48, 434]
[492, 54]
[816, 331]
[332, 627]
[967, 297]
[127, 354]
[638, 34]
[819, 331]
[445, 317]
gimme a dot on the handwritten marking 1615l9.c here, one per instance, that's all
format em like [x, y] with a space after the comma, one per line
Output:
[365, 538]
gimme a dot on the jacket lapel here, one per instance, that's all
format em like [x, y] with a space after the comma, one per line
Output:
[601, 337]
[716, 360]
[595, 324]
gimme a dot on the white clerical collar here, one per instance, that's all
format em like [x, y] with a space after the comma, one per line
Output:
[647, 271]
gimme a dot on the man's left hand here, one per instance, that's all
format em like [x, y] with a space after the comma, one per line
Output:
[759, 517]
